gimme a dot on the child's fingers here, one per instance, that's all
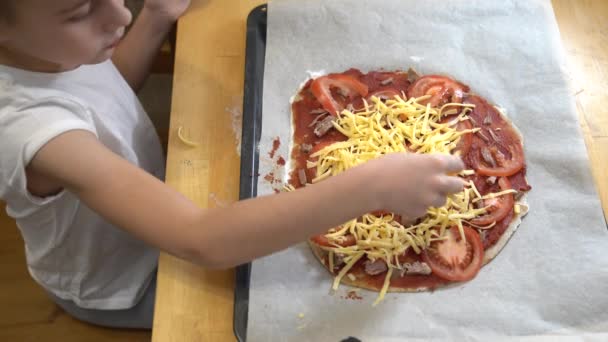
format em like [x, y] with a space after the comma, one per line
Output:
[439, 201]
[451, 185]
[450, 164]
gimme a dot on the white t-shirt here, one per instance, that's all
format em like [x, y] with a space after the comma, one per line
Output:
[72, 251]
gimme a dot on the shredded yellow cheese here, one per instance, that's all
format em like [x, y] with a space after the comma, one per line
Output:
[496, 194]
[382, 128]
[467, 172]
[183, 139]
[387, 281]
[345, 269]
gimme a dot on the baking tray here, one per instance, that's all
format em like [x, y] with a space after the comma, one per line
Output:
[252, 127]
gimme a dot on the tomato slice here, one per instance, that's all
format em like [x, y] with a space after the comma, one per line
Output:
[322, 240]
[454, 259]
[499, 207]
[464, 144]
[442, 90]
[505, 167]
[502, 166]
[348, 85]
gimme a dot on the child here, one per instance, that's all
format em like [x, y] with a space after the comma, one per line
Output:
[81, 167]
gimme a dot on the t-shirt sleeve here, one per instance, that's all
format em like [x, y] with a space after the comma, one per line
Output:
[26, 129]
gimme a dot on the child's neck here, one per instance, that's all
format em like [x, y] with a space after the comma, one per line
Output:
[26, 62]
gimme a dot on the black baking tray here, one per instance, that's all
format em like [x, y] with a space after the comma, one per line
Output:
[252, 128]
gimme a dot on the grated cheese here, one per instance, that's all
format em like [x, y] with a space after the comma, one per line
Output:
[381, 128]
[345, 269]
[185, 140]
[387, 281]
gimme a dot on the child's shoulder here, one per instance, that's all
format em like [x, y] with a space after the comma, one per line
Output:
[78, 91]
[22, 95]
[35, 106]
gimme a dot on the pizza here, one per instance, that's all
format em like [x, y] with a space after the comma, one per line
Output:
[341, 120]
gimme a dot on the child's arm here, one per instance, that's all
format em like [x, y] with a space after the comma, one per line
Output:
[136, 53]
[224, 237]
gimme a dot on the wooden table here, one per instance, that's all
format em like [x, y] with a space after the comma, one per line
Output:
[194, 304]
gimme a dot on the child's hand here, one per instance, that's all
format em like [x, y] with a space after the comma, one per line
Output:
[407, 184]
[167, 9]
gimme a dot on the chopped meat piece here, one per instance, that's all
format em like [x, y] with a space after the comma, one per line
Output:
[500, 157]
[302, 176]
[415, 268]
[483, 136]
[318, 118]
[338, 259]
[412, 75]
[375, 267]
[387, 81]
[494, 136]
[342, 92]
[306, 148]
[487, 156]
[491, 180]
[323, 126]
[318, 111]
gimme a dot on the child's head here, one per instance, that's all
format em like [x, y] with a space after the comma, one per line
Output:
[60, 34]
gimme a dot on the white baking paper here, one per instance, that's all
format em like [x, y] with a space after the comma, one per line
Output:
[551, 280]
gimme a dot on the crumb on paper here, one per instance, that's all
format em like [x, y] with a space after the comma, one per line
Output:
[276, 143]
[236, 119]
[416, 58]
[301, 315]
[275, 164]
[352, 294]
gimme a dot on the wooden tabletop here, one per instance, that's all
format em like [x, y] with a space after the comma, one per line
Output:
[194, 304]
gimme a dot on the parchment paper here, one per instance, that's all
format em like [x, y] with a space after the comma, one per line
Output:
[550, 282]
